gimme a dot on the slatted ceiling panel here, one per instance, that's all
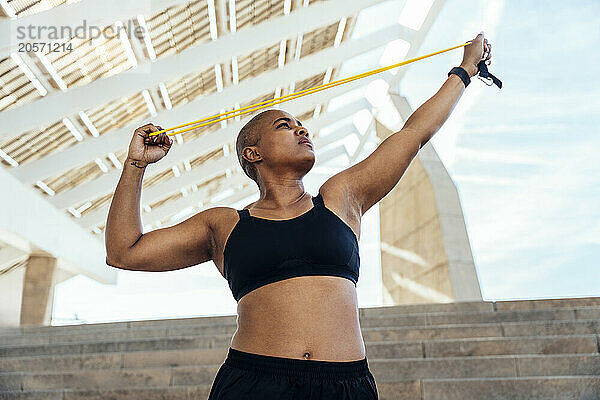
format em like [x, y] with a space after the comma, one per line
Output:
[213, 155]
[252, 12]
[307, 115]
[96, 203]
[15, 88]
[176, 28]
[28, 7]
[118, 113]
[191, 86]
[205, 185]
[318, 39]
[213, 185]
[38, 143]
[90, 59]
[264, 97]
[158, 178]
[258, 62]
[168, 173]
[82, 174]
[163, 201]
[308, 83]
[196, 133]
[74, 177]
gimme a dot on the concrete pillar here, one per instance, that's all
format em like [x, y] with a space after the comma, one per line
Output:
[11, 289]
[425, 252]
[38, 290]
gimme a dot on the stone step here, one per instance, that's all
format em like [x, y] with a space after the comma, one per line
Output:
[541, 304]
[504, 329]
[460, 307]
[186, 327]
[525, 388]
[521, 388]
[396, 370]
[508, 329]
[133, 393]
[576, 344]
[211, 320]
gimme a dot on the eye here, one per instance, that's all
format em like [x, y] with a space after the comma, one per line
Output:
[282, 124]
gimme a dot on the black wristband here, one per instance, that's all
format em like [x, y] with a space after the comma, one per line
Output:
[462, 74]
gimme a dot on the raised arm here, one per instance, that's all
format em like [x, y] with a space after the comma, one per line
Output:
[185, 244]
[368, 181]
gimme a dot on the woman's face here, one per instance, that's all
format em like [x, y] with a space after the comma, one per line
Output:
[285, 145]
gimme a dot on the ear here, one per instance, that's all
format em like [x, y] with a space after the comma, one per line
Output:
[251, 154]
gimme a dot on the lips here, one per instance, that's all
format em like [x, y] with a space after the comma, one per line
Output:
[306, 141]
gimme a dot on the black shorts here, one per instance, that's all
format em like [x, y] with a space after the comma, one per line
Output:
[251, 376]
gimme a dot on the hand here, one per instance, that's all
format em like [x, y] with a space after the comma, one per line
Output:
[478, 50]
[145, 149]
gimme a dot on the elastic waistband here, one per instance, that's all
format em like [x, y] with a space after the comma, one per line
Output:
[283, 366]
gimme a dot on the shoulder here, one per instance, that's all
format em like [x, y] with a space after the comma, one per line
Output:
[338, 199]
[336, 194]
[216, 217]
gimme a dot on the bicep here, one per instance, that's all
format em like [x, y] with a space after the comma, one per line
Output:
[368, 181]
[185, 244]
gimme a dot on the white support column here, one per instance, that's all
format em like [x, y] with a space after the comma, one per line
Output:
[26, 214]
[417, 40]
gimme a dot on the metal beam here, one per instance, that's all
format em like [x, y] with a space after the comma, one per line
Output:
[417, 40]
[364, 138]
[11, 255]
[213, 140]
[62, 104]
[25, 213]
[80, 153]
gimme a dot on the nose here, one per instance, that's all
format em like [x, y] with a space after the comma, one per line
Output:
[302, 131]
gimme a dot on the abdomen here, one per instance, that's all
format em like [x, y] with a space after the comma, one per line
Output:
[317, 315]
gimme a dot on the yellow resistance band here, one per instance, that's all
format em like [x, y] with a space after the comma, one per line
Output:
[267, 103]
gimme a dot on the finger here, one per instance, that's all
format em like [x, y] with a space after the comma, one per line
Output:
[489, 55]
[143, 128]
[164, 139]
[151, 128]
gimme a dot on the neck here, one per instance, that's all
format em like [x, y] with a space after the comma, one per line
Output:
[280, 193]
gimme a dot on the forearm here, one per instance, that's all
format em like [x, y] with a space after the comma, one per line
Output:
[124, 224]
[432, 114]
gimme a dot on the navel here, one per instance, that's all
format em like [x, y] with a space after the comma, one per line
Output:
[307, 355]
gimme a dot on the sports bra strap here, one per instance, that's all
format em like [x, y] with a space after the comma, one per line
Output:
[318, 201]
[243, 213]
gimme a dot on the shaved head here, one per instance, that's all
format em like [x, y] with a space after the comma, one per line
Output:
[249, 135]
[270, 146]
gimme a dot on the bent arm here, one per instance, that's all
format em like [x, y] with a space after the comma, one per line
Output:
[368, 181]
[185, 244]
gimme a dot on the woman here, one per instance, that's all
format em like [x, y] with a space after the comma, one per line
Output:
[291, 259]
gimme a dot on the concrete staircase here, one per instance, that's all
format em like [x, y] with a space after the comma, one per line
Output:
[538, 349]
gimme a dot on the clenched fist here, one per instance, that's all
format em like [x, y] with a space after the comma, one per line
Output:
[145, 149]
[478, 50]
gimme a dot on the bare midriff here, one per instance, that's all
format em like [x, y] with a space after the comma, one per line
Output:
[306, 317]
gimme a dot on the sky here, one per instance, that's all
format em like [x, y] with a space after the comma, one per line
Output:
[523, 159]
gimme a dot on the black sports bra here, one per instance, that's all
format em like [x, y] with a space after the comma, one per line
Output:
[260, 251]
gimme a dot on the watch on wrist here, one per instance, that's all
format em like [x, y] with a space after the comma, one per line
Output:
[462, 74]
